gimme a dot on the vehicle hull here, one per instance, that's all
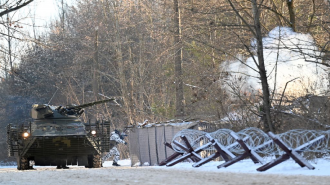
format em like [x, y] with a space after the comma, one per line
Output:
[56, 150]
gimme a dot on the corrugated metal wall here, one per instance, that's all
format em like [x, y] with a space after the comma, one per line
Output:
[146, 145]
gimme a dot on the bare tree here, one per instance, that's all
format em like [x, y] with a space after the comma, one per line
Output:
[292, 14]
[12, 5]
[261, 67]
[179, 102]
[7, 7]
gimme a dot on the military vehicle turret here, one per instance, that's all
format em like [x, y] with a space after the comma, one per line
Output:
[57, 137]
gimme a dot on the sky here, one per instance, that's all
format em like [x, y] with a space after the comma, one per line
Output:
[44, 11]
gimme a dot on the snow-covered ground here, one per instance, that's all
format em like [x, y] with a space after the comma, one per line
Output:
[247, 166]
[243, 172]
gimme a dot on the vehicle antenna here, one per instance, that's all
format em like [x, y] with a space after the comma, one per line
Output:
[52, 96]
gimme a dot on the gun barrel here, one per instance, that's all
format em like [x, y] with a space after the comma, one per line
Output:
[92, 103]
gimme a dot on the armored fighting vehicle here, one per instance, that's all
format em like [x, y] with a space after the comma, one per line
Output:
[57, 137]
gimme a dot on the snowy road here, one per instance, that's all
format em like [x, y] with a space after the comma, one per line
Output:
[147, 175]
[243, 173]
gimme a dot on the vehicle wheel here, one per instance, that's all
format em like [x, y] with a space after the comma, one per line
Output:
[97, 161]
[89, 161]
[23, 163]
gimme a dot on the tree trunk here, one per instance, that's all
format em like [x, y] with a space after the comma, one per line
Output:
[178, 63]
[262, 71]
[9, 52]
[292, 15]
[121, 69]
[95, 67]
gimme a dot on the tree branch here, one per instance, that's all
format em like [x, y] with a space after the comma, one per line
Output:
[15, 8]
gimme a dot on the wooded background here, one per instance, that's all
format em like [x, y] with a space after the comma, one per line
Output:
[161, 59]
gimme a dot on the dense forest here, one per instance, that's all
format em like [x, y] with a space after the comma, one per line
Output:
[168, 59]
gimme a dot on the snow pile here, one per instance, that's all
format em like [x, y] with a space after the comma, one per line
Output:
[288, 167]
[288, 56]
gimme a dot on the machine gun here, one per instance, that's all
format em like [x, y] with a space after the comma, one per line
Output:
[41, 111]
[124, 132]
[78, 109]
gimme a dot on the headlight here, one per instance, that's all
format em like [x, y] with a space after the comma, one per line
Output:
[26, 134]
[93, 132]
